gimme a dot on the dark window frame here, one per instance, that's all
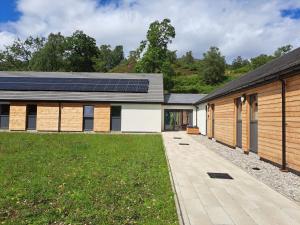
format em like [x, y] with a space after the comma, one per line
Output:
[4, 116]
[89, 118]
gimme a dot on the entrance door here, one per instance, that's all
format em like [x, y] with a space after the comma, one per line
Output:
[115, 118]
[253, 123]
[212, 121]
[31, 117]
[176, 119]
[239, 123]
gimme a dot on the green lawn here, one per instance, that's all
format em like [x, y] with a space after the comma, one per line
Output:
[84, 179]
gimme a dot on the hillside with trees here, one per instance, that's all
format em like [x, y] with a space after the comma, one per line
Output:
[80, 53]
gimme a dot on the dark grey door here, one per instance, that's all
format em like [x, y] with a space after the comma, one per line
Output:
[115, 123]
[4, 116]
[239, 123]
[31, 117]
[88, 118]
[253, 123]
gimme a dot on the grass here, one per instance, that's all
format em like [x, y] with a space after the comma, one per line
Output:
[84, 179]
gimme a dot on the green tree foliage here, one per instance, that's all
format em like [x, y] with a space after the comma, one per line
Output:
[214, 66]
[107, 59]
[188, 58]
[51, 56]
[239, 62]
[283, 50]
[17, 55]
[155, 48]
[80, 51]
[260, 60]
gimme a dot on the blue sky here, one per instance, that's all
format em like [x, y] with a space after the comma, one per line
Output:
[237, 27]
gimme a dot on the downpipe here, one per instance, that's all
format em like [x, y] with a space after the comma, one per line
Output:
[283, 109]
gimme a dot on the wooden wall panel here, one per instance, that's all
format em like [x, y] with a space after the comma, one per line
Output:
[102, 117]
[71, 117]
[269, 122]
[224, 120]
[17, 117]
[47, 116]
[269, 118]
[293, 122]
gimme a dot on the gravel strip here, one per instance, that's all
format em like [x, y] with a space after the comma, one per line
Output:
[287, 184]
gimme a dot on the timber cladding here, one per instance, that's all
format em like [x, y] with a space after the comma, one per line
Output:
[47, 116]
[293, 122]
[102, 117]
[17, 117]
[269, 120]
[71, 117]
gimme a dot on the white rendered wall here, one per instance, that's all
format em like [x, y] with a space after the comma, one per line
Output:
[201, 116]
[188, 107]
[141, 118]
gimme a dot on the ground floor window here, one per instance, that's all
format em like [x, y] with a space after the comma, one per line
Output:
[4, 116]
[115, 115]
[88, 118]
[176, 119]
[31, 117]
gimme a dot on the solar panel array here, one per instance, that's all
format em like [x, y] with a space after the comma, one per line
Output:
[74, 84]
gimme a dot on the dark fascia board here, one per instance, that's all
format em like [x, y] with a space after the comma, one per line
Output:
[292, 71]
[185, 104]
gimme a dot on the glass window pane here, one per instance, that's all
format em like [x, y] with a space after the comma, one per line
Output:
[88, 111]
[253, 108]
[239, 109]
[31, 109]
[116, 111]
[4, 109]
[88, 124]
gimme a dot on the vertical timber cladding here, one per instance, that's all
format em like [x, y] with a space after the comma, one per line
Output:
[102, 117]
[269, 120]
[17, 117]
[71, 117]
[293, 122]
[47, 116]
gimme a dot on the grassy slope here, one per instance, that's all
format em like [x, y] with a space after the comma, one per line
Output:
[84, 179]
[186, 80]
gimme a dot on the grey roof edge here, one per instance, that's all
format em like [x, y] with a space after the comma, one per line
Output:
[182, 98]
[271, 76]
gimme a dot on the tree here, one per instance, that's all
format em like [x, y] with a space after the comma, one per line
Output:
[213, 66]
[51, 56]
[239, 62]
[282, 50]
[188, 58]
[107, 59]
[260, 60]
[159, 35]
[17, 55]
[168, 73]
[80, 51]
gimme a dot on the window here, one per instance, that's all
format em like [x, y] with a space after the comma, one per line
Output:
[253, 108]
[4, 116]
[88, 118]
[31, 117]
[239, 108]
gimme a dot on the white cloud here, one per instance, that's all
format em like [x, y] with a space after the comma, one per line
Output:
[237, 27]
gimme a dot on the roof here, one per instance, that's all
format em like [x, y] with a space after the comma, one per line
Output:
[183, 99]
[154, 94]
[284, 65]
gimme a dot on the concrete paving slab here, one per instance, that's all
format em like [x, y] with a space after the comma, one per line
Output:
[203, 200]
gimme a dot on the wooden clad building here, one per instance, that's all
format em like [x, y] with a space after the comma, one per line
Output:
[260, 112]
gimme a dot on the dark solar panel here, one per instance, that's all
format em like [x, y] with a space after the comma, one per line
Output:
[74, 84]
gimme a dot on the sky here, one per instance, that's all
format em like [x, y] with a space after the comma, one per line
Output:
[238, 27]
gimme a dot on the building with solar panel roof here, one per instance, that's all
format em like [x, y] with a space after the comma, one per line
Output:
[99, 102]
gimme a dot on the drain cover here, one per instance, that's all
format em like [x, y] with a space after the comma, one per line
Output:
[219, 175]
[184, 144]
[177, 137]
[256, 168]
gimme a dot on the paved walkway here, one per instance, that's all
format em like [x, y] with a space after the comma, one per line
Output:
[241, 201]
